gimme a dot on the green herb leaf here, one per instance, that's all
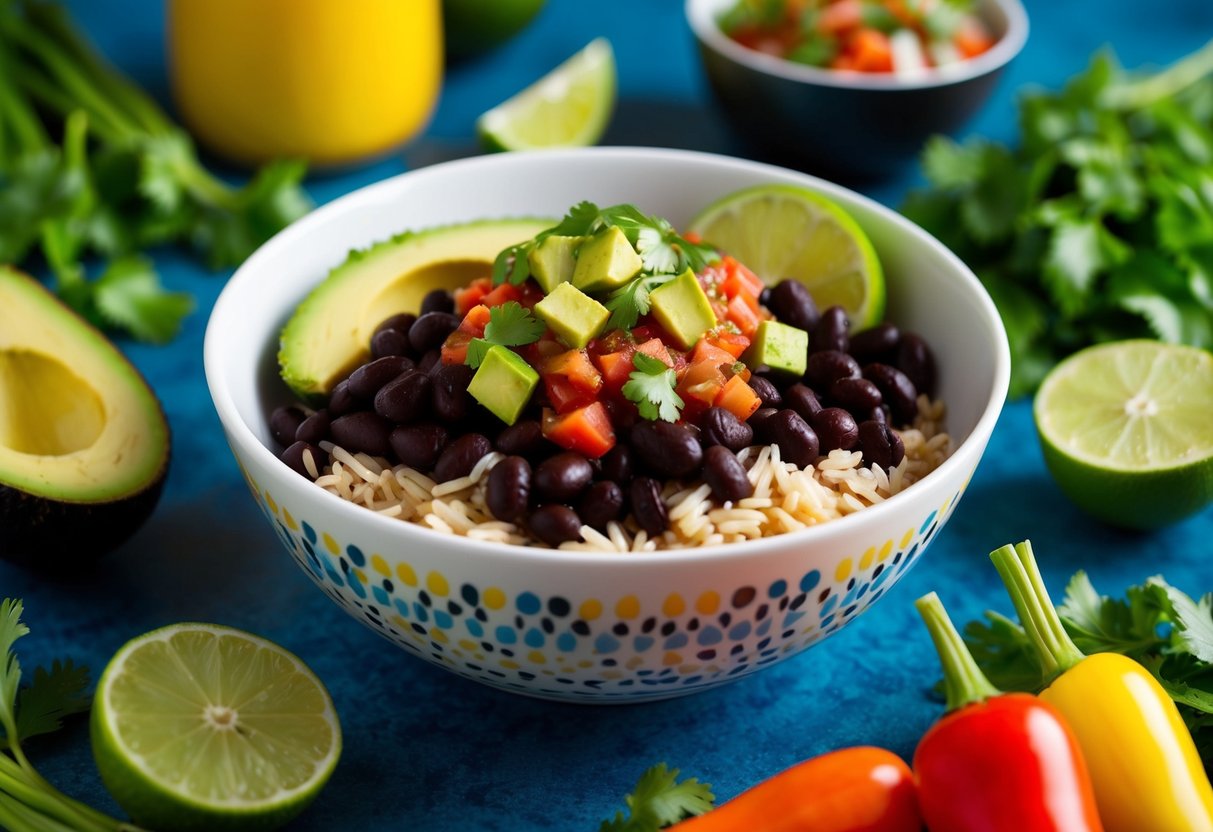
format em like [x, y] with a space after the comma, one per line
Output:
[627, 303]
[11, 629]
[659, 799]
[52, 696]
[651, 387]
[128, 295]
[510, 325]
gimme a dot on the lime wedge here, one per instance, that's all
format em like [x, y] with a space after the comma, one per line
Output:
[201, 727]
[783, 231]
[568, 107]
[1127, 431]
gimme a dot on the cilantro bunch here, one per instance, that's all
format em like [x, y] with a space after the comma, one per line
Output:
[1156, 624]
[659, 799]
[1098, 226]
[91, 169]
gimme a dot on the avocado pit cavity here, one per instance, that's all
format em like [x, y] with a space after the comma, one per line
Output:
[46, 409]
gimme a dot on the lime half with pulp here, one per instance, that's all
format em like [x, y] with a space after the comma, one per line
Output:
[202, 727]
[568, 107]
[784, 231]
[1127, 431]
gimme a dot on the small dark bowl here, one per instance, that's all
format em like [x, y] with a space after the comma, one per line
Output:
[848, 124]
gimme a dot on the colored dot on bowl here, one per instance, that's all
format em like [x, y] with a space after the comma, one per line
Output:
[868, 556]
[708, 602]
[777, 589]
[844, 570]
[628, 607]
[809, 582]
[494, 598]
[437, 584]
[590, 609]
[535, 657]
[528, 603]
[886, 549]
[331, 544]
[290, 521]
[673, 605]
[380, 565]
[905, 539]
[406, 574]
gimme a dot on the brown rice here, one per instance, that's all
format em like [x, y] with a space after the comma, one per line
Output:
[785, 497]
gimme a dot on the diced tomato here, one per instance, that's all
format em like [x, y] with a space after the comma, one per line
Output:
[564, 395]
[699, 387]
[731, 342]
[839, 17]
[586, 430]
[738, 398]
[504, 293]
[574, 366]
[705, 350]
[615, 367]
[656, 348]
[871, 50]
[743, 312]
[971, 38]
[475, 320]
[455, 348]
[739, 279]
[471, 295]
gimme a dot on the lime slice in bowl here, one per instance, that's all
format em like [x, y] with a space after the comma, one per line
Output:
[202, 727]
[1127, 431]
[568, 107]
[784, 231]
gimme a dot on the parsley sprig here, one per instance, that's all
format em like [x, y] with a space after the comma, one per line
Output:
[651, 387]
[1169, 632]
[658, 800]
[510, 325]
[1099, 225]
[27, 802]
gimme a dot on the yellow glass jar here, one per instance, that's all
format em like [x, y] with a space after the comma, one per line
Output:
[330, 81]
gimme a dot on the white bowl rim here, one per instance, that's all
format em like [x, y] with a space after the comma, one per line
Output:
[242, 435]
[699, 14]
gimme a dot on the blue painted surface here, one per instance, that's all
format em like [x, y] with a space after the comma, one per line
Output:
[427, 751]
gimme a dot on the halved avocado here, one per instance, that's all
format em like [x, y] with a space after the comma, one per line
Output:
[84, 446]
[330, 332]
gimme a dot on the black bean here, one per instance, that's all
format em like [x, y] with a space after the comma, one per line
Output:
[881, 445]
[855, 394]
[523, 438]
[404, 399]
[401, 322]
[460, 456]
[827, 366]
[366, 380]
[430, 362]
[718, 426]
[418, 446]
[437, 300]
[898, 391]
[341, 400]
[284, 424]
[725, 475]
[314, 428]
[760, 422]
[801, 399]
[362, 432]
[293, 456]
[600, 504]
[835, 428]
[509, 488]
[390, 342]
[878, 343]
[450, 393]
[616, 464]
[561, 478]
[831, 331]
[794, 306]
[431, 329]
[797, 442]
[766, 390]
[764, 297]
[647, 506]
[666, 449]
[554, 524]
[915, 359]
[876, 414]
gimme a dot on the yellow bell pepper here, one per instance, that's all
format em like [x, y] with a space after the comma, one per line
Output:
[1144, 765]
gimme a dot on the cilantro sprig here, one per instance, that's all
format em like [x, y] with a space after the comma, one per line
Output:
[1161, 627]
[510, 325]
[658, 800]
[651, 387]
[1098, 225]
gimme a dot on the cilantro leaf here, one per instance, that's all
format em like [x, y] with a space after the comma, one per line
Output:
[510, 325]
[627, 303]
[11, 629]
[52, 696]
[478, 350]
[658, 800]
[128, 294]
[651, 387]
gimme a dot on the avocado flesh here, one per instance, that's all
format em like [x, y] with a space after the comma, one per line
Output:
[84, 446]
[329, 335]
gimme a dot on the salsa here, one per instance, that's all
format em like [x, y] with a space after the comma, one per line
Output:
[904, 37]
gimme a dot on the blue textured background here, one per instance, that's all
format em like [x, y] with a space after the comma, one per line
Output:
[425, 750]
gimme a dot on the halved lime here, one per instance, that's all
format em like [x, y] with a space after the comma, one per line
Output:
[202, 727]
[784, 231]
[568, 107]
[1127, 431]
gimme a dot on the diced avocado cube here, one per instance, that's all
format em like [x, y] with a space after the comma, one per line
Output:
[783, 348]
[552, 261]
[574, 316]
[682, 309]
[606, 261]
[503, 383]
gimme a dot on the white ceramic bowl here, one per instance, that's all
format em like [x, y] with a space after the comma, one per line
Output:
[590, 627]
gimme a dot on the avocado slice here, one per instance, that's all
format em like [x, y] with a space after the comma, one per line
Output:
[503, 383]
[606, 261]
[84, 446]
[553, 260]
[783, 348]
[682, 309]
[329, 335]
[574, 316]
